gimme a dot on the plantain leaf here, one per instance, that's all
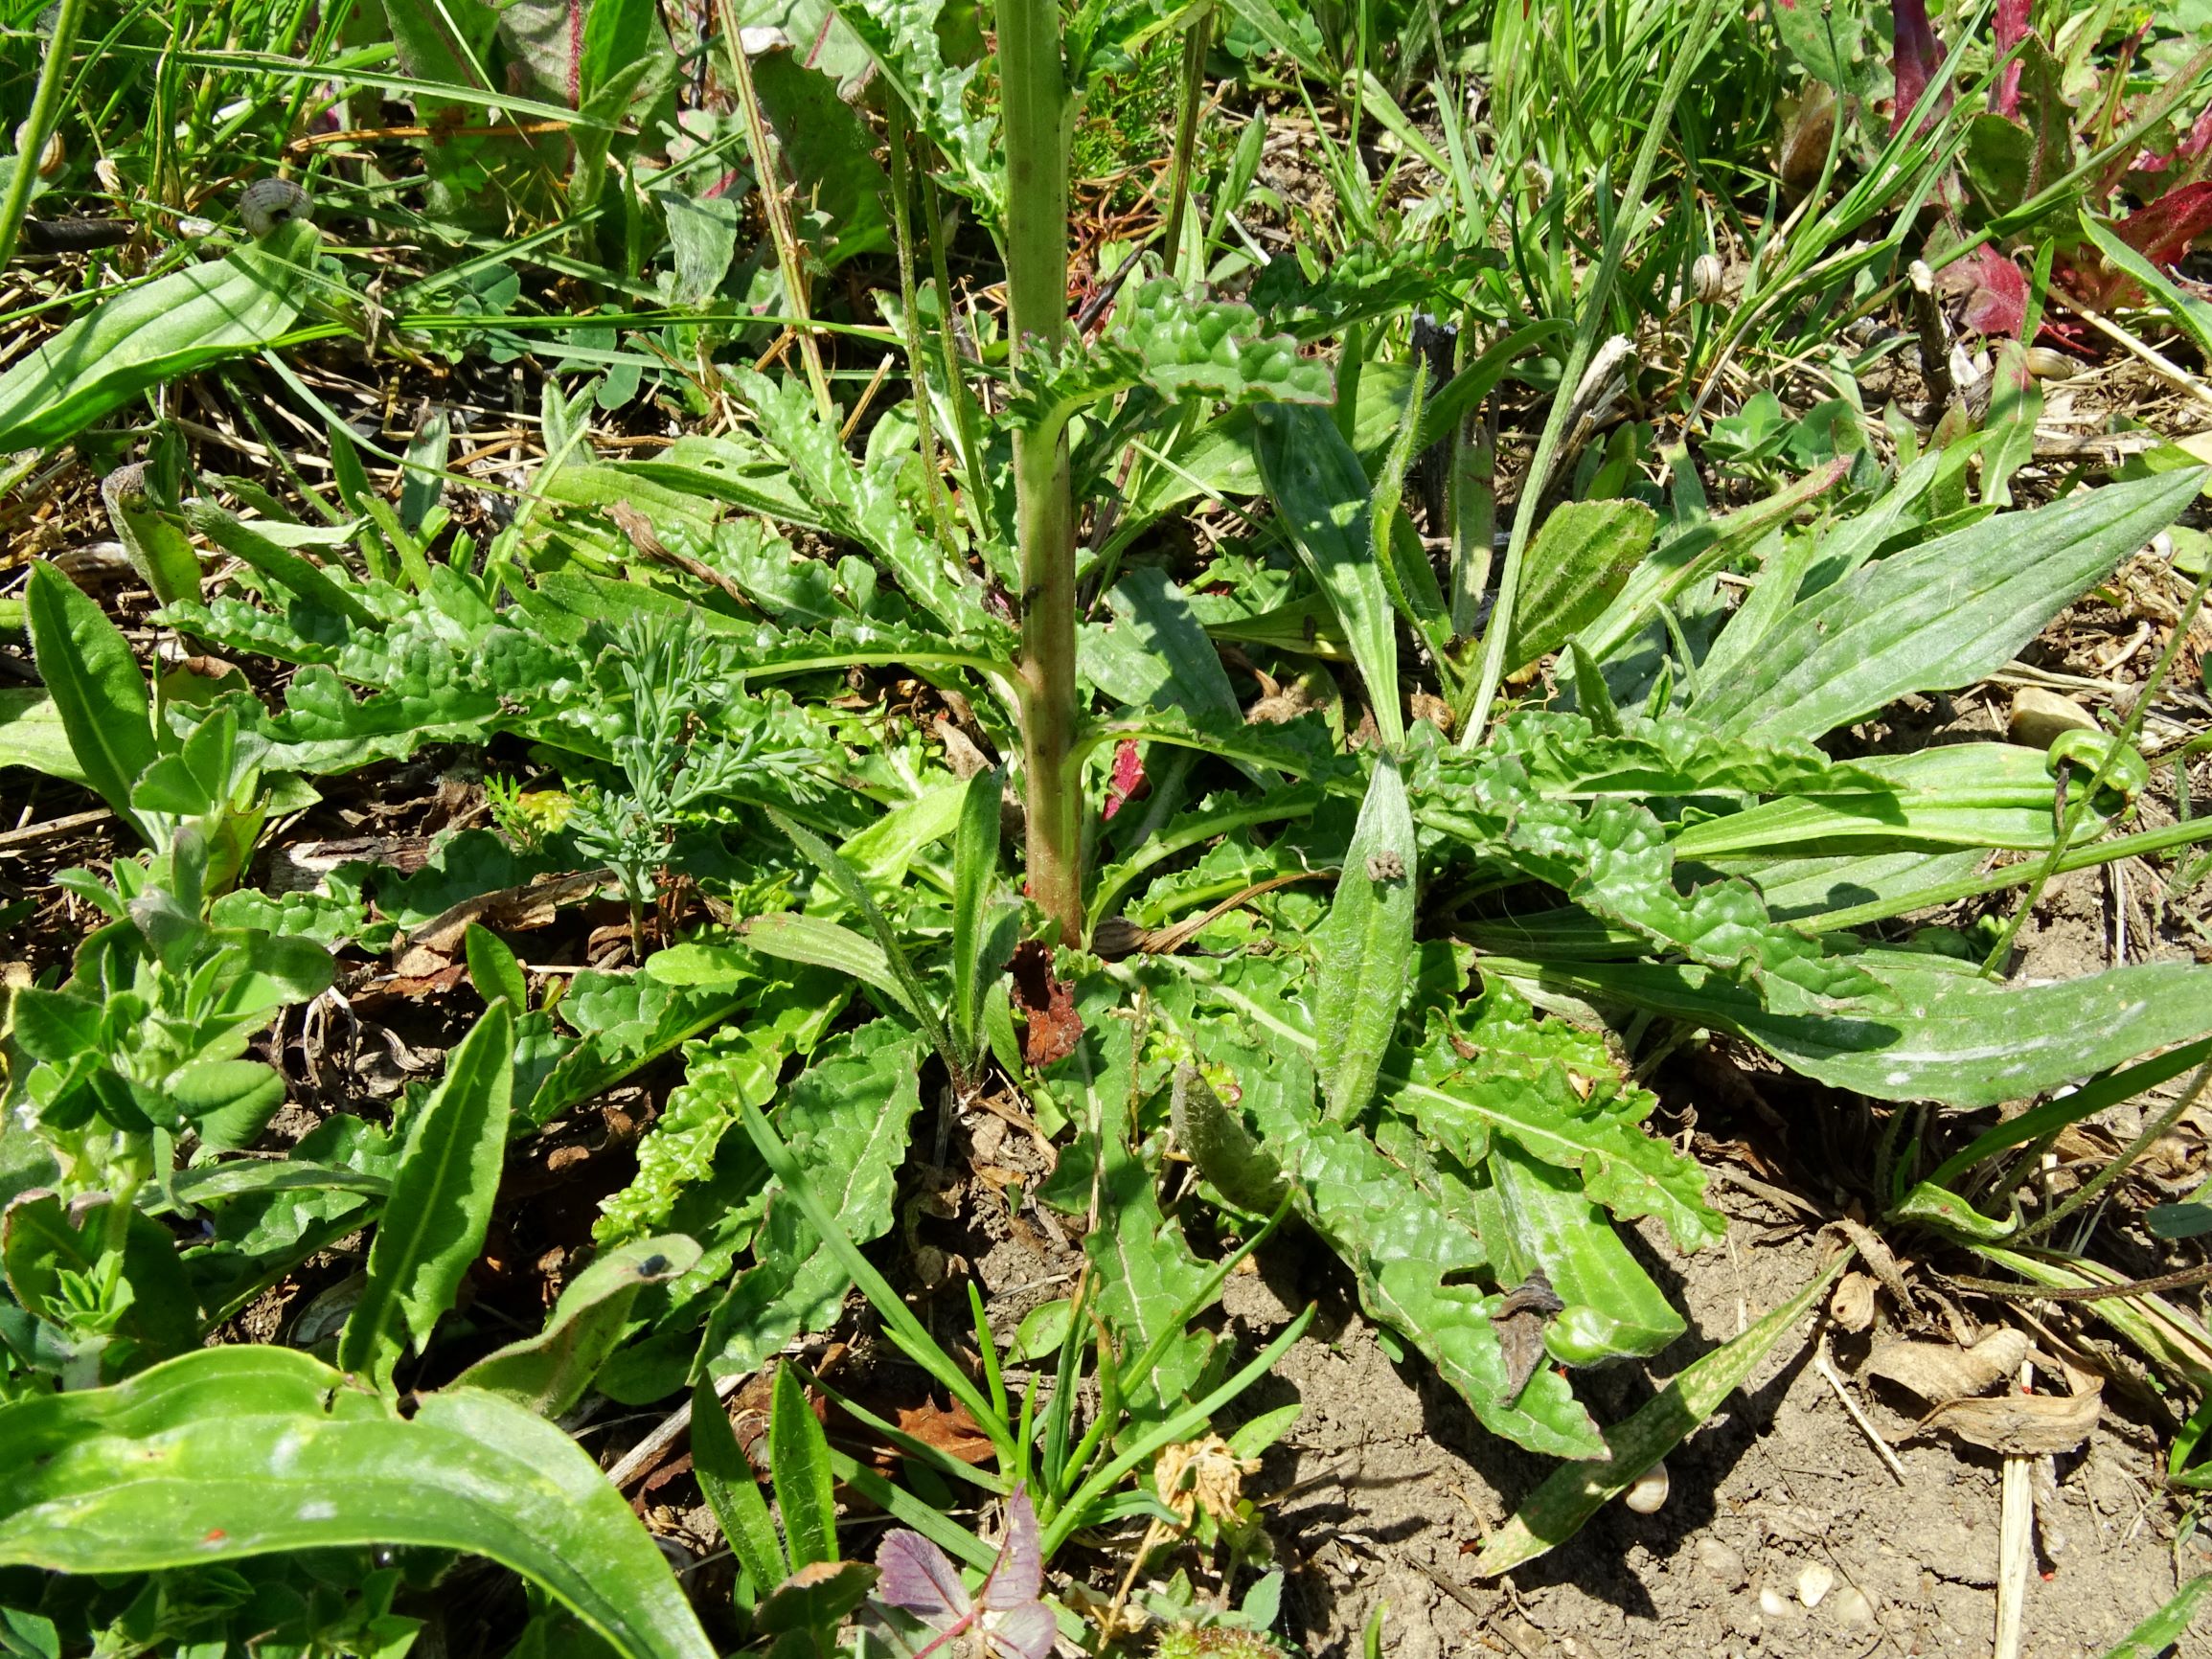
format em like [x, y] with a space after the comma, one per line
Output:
[1365, 947]
[97, 689]
[1941, 615]
[799, 1461]
[32, 734]
[1939, 1033]
[440, 1202]
[154, 333]
[240, 1451]
[1321, 491]
[548, 1373]
[974, 878]
[1557, 1509]
[732, 1491]
[818, 943]
[1578, 561]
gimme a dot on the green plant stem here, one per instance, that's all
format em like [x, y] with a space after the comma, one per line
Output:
[1034, 100]
[1196, 41]
[2072, 821]
[778, 214]
[45, 101]
[910, 317]
[1536, 481]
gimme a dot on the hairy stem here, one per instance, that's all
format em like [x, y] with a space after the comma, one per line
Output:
[1034, 98]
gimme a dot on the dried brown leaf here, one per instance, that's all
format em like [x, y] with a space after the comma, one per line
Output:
[1937, 1371]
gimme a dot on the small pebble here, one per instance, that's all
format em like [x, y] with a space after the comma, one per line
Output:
[2038, 717]
[1850, 1606]
[1776, 1604]
[1814, 1582]
[1721, 1562]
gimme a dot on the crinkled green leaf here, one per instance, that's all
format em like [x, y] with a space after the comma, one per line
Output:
[1365, 282]
[240, 1451]
[1410, 1255]
[902, 37]
[845, 1120]
[762, 1024]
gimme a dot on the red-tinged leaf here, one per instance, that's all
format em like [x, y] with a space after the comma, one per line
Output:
[1129, 780]
[920, 1579]
[2011, 28]
[1018, 1576]
[1917, 61]
[955, 1433]
[1996, 293]
[1054, 1027]
[2198, 141]
[1023, 1632]
[2162, 232]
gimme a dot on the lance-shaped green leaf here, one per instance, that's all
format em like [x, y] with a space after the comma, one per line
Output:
[733, 1491]
[1321, 491]
[97, 689]
[294, 574]
[151, 335]
[1557, 1509]
[845, 880]
[795, 937]
[1941, 615]
[2164, 1629]
[1366, 945]
[1942, 1033]
[548, 1373]
[974, 878]
[440, 1202]
[233, 1452]
[1578, 561]
[845, 1120]
[799, 1462]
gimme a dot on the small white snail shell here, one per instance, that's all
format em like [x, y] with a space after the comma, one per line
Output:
[125, 487]
[269, 202]
[1708, 279]
[1648, 1491]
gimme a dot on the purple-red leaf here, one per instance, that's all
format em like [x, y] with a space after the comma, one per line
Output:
[2011, 28]
[1024, 1632]
[1917, 61]
[920, 1579]
[1996, 293]
[1018, 1575]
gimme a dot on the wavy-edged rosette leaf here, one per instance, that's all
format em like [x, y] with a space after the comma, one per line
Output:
[1410, 1254]
[1600, 1138]
[845, 1119]
[1179, 346]
[242, 1451]
[863, 503]
[1614, 860]
[1566, 755]
[740, 1061]
[902, 36]
[1365, 283]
